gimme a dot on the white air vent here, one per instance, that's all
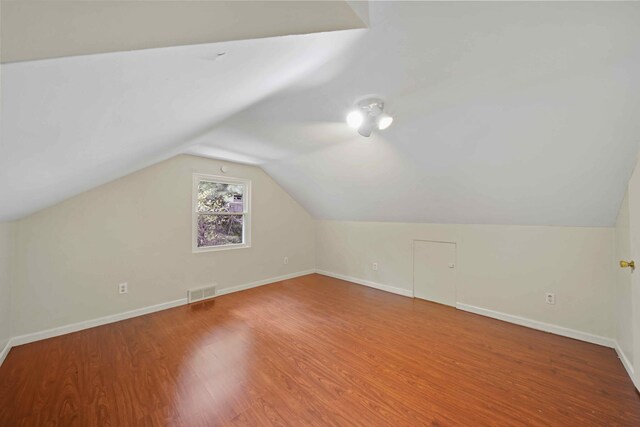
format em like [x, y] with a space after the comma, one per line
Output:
[200, 294]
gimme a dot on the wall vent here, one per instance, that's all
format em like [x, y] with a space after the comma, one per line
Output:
[199, 294]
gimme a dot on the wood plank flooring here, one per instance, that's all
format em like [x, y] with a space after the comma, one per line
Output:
[314, 351]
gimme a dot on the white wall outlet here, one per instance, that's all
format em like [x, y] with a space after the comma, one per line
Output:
[374, 266]
[550, 298]
[286, 260]
[123, 288]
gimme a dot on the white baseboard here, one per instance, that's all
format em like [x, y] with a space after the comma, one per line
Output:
[627, 365]
[386, 288]
[534, 324]
[263, 282]
[74, 327]
[541, 326]
[522, 321]
[5, 351]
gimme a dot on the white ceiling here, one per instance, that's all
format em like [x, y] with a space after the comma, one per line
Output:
[508, 113]
[512, 113]
[71, 124]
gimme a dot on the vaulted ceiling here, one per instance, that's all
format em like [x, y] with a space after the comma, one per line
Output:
[57, 28]
[70, 124]
[510, 113]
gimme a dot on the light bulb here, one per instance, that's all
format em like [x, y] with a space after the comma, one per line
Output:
[355, 119]
[384, 121]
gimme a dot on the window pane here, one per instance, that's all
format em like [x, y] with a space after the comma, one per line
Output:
[220, 197]
[216, 230]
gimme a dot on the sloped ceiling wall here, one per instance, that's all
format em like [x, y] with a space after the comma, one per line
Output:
[71, 124]
[511, 113]
[34, 30]
[506, 113]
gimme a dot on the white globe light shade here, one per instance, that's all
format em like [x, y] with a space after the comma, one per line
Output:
[384, 121]
[355, 119]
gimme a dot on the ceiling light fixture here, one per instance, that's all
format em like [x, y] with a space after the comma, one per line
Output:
[369, 114]
[384, 121]
[355, 119]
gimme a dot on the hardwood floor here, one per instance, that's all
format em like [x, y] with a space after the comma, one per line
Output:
[314, 351]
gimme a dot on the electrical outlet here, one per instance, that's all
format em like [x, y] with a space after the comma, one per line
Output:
[374, 266]
[286, 260]
[550, 298]
[123, 288]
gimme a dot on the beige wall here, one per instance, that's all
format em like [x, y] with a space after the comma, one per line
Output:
[70, 257]
[7, 246]
[503, 268]
[622, 291]
[137, 229]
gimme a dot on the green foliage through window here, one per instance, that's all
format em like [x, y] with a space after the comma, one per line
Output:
[220, 209]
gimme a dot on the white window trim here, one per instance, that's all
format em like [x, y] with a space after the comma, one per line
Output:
[246, 226]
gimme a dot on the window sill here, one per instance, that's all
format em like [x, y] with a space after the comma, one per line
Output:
[220, 248]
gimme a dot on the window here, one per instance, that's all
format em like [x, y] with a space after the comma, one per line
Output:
[221, 214]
